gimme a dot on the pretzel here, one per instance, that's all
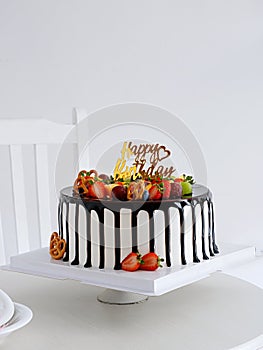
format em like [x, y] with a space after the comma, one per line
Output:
[83, 173]
[57, 246]
[53, 236]
[139, 189]
[81, 183]
[135, 190]
[93, 171]
[80, 186]
[130, 191]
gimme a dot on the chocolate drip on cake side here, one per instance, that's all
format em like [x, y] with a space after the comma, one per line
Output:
[88, 262]
[149, 207]
[151, 230]
[134, 216]
[195, 257]
[209, 229]
[205, 257]
[100, 212]
[76, 259]
[167, 236]
[182, 233]
[117, 240]
[60, 228]
[66, 257]
[215, 248]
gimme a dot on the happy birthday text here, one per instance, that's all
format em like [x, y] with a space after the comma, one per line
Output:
[155, 153]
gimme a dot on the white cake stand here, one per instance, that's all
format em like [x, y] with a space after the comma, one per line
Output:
[123, 287]
[119, 297]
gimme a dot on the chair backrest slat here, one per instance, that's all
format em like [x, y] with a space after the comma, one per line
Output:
[19, 197]
[43, 188]
[7, 205]
[31, 195]
[52, 153]
[28, 201]
[2, 244]
[32, 131]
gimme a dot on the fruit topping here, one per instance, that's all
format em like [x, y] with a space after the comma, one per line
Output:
[187, 183]
[145, 195]
[89, 185]
[104, 177]
[176, 190]
[97, 190]
[155, 192]
[186, 188]
[166, 189]
[188, 178]
[178, 179]
[119, 192]
[151, 262]
[132, 262]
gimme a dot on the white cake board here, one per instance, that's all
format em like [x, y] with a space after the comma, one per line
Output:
[142, 283]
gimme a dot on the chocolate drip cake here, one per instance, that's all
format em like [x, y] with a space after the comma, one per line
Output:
[109, 222]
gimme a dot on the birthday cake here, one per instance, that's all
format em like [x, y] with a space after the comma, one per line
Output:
[140, 218]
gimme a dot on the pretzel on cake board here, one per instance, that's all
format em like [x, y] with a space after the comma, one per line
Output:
[57, 246]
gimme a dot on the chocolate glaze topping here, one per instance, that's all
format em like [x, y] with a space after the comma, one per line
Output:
[200, 195]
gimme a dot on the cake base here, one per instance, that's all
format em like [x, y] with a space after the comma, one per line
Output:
[118, 297]
[154, 283]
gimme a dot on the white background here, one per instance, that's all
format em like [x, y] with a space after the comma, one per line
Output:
[201, 60]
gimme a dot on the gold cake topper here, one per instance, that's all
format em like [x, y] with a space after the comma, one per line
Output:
[155, 152]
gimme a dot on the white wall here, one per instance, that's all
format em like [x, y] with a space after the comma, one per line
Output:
[201, 60]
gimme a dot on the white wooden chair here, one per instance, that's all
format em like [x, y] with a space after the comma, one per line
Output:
[28, 203]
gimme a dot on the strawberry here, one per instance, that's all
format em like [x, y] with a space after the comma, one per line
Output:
[151, 262]
[178, 179]
[132, 262]
[97, 190]
[166, 189]
[155, 192]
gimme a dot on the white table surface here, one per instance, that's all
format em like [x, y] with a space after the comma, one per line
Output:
[216, 313]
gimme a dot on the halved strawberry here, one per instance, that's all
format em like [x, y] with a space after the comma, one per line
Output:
[166, 189]
[97, 190]
[155, 192]
[151, 262]
[132, 262]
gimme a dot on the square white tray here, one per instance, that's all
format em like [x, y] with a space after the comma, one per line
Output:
[155, 283]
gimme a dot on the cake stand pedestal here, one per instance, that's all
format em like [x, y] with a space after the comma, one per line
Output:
[118, 297]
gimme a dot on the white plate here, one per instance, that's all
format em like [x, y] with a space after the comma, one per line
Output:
[21, 317]
[6, 308]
